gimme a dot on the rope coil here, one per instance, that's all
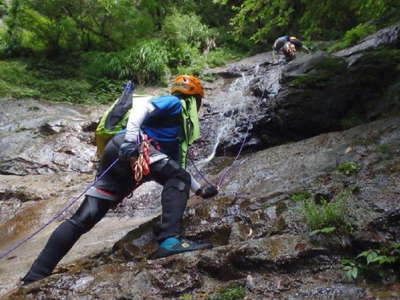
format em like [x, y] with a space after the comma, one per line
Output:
[141, 166]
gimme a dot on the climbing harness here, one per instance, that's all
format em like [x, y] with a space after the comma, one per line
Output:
[56, 216]
[141, 166]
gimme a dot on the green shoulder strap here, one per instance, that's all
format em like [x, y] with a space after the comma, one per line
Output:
[190, 126]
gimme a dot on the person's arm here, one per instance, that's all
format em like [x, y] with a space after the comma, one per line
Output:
[142, 109]
[195, 186]
[304, 47]
[300, 45]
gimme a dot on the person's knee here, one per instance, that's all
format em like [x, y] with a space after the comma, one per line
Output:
[177, 180]
[169, 169]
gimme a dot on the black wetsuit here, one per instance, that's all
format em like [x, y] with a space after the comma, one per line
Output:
[117, 183]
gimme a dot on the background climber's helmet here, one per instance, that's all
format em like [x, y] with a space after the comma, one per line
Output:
[188, 85]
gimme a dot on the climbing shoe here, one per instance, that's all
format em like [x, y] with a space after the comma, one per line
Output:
[37, 272]
[171, 246]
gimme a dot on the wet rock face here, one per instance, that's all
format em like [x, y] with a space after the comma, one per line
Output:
[261, 241]
[282, 102]
[322, 93]
[42, 138]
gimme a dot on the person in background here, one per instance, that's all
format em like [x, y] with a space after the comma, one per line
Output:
[288, 46]
[153, 147]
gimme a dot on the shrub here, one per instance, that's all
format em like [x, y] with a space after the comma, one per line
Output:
[353, 36]
[231, 292]
[374, 264]
[349, 168]
[220, 56]
[300, 196]
[327, 214]
[146, 63]
[17, 80]
[185, 28]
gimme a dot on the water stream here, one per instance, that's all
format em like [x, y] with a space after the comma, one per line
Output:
[233, 110]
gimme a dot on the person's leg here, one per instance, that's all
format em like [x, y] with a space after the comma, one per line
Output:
[174, 196]
[176, 182]
[91, 211]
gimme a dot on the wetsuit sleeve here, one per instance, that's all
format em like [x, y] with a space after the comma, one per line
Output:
[142, 108]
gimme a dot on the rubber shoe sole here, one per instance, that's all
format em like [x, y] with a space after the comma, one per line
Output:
[181, 247]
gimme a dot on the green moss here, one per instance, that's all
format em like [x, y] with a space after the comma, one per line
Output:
[231, 292]
[300, 196]
[353, 36]
[349, 168]
[383, 148]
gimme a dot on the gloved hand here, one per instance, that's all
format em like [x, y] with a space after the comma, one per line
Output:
[127, 150]
[207, 192]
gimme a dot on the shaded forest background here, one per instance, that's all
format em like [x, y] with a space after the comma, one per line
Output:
[82, 51]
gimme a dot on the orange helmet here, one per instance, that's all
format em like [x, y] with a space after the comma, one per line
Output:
[188, 85]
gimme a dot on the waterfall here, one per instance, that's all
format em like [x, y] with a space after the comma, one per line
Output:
[232, 110]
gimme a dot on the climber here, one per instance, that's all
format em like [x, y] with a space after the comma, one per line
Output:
[166, 125]
[288, 46]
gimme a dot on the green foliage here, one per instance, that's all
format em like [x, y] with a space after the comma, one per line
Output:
[327, 19]
[353, 36]
[59, 26]
[261, 18]
[221, 56]
[185, 28]
[374, 264]
[350, 268]
[300, 196]
[383, 148]
[384, 11]
[266, 19]
[231, 292]
[185, 35]
[349, 168]
[324, 230]
[327, 215]
[18, 80]
[146, 62]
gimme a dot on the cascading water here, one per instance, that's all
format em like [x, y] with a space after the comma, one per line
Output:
[233, 109]
[234, 104]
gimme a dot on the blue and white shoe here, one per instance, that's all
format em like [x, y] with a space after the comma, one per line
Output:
[171, 246]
